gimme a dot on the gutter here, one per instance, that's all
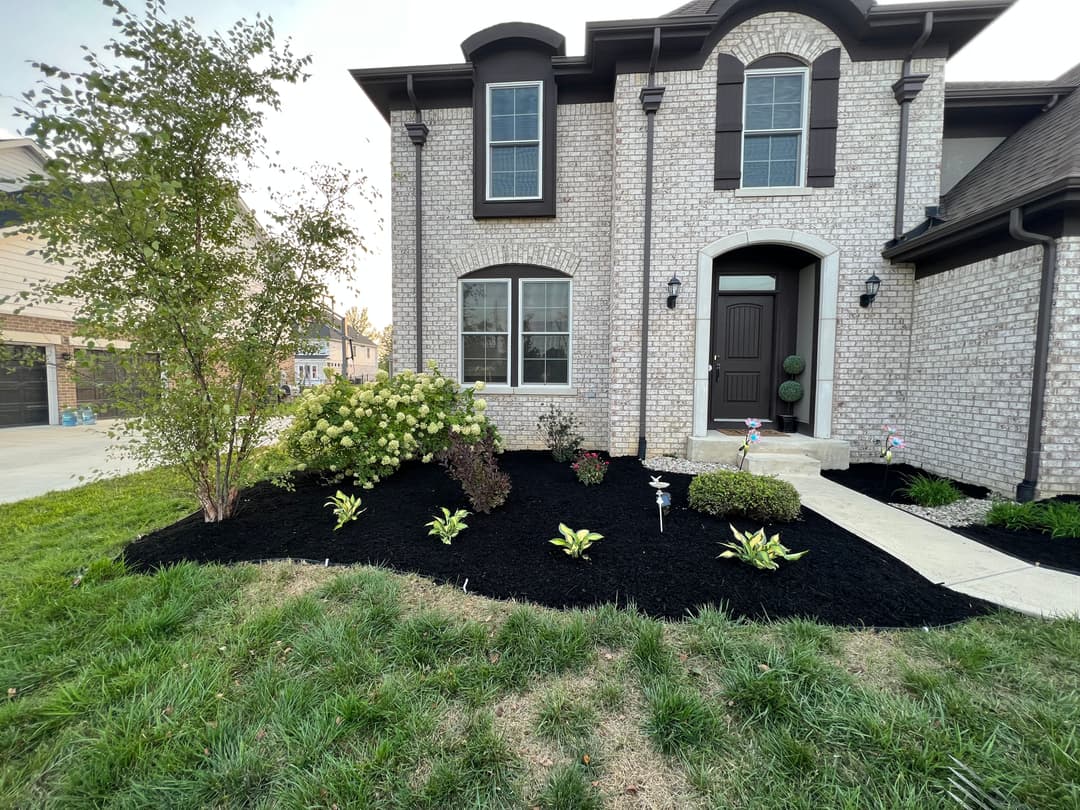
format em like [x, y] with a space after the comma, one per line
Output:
[905, 90]
[1025, 490]
[418, 132]
[650, 97]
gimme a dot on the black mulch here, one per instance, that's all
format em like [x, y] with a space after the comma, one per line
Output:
[1030, 546]
[871, 480]
[843, 580]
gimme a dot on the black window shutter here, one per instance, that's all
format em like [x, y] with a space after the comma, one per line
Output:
[824, 99]
[727, 170]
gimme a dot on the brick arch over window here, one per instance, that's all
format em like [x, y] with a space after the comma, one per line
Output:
[515, 253]
[822, 124]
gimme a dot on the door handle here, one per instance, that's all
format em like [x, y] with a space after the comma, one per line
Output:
[714, 367]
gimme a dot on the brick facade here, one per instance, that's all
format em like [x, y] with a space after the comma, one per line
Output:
[882, 367]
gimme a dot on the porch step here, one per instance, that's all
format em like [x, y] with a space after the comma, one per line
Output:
[781, 464]
[832, 454]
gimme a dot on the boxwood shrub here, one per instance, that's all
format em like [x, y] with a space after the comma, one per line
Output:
[727, 493]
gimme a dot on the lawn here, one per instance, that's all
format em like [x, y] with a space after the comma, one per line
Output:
[299, 686]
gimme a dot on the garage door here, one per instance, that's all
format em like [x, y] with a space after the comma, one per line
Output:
[24, 392]
[97, 381]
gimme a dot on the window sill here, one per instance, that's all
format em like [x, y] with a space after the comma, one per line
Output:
[774, 191]
[530, 390]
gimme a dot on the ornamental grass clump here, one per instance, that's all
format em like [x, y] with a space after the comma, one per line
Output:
[1059, 519]
[365, 432]
[590, 468]
[731, 493]
[929, 490]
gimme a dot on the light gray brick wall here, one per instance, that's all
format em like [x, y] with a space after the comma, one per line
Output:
[856, 216]
[1061, 423]
[972, 348]
[577, 241]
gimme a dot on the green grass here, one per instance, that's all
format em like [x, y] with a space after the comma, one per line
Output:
[295, 686]
[1055, 518]
[929, 490]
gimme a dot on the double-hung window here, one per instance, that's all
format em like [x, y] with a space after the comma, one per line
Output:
[774, 128]
[514, 127]
[516, 331]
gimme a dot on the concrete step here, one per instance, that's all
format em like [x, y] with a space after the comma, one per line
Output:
[781, 463]
[833, 454]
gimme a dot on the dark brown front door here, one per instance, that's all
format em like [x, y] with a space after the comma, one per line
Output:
[741, 382]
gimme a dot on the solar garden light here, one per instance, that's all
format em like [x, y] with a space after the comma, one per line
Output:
[673, 291]
[872, 284]
[663, 499]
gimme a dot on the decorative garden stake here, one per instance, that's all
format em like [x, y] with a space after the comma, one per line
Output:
[752, 437]
[663, 499]
[889, 443]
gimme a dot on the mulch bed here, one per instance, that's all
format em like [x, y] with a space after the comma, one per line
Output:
[842, 581]
[1030, 546]
[870, 480]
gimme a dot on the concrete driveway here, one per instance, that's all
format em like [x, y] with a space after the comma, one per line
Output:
[40, 459]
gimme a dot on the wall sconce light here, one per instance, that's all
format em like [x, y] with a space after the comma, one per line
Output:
[673, 291]
[872, 284]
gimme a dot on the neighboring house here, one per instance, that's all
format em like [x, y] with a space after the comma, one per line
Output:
[325, 350]
[780, 165]
[39, 378]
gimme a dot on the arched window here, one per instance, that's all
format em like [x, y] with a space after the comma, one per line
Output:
[776, 122]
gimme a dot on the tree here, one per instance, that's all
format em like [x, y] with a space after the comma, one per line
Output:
[142, 202]
[359, 321]
[385, 340]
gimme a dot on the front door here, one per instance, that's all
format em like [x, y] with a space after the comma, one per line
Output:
[741, 380]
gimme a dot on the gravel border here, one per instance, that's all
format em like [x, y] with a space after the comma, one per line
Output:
[966, 512]
[682, 466]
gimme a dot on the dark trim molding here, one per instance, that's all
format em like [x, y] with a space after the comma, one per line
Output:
[776, 61]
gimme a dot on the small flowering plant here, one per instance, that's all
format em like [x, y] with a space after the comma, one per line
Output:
[590, 468]
[752, 437]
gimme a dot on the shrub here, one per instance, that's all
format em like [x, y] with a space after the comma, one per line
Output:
[794, 365]
[929, 490]
[366, 431]
[590, 468]
[790, 391]
[473, 465]
[727, 493]
[560, 433]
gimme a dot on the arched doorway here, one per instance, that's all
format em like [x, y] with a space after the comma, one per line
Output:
[762, 295]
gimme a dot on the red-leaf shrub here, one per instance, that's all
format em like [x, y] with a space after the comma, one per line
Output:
[474, 466]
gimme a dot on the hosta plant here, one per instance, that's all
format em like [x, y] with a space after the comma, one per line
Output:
[447, 527]
[346, 508]
[575, 543]
[757, 550]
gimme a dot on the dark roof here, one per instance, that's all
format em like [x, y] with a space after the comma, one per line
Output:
[1044, 152]
[692, 9]
[328, 332]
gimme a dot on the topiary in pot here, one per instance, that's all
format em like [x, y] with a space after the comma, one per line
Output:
[794, 365]
[791, 391]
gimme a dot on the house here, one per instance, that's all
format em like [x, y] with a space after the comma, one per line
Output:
[642, 234]
[324, 351]
[39, 375]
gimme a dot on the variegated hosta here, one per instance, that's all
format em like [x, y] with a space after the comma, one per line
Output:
[757, 550]
[346, 508]
[447, 527]
[573, 542]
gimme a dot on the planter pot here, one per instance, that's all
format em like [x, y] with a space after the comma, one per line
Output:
[788, 423]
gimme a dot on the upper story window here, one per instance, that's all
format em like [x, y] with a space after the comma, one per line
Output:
[776, 122]
[774, 128]
[514, 135]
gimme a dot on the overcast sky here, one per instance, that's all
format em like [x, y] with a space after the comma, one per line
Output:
[330, 120]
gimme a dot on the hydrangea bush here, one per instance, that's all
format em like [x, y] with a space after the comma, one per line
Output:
[366, 431]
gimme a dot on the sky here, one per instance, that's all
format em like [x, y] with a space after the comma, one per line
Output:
[329, 120]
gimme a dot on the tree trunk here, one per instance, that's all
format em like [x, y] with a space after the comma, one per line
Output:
[214, 510]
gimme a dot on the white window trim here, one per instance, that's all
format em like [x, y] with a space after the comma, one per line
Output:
[569, 334]
[539, 141]
[462, 333]
[804, 130]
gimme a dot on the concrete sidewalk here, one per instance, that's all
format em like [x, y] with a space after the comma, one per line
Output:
[40, 459]
[942, 556]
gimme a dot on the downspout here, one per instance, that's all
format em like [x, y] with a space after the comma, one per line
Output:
[1025, 490]
[906, 88]
[650, 97]
[418, 132]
